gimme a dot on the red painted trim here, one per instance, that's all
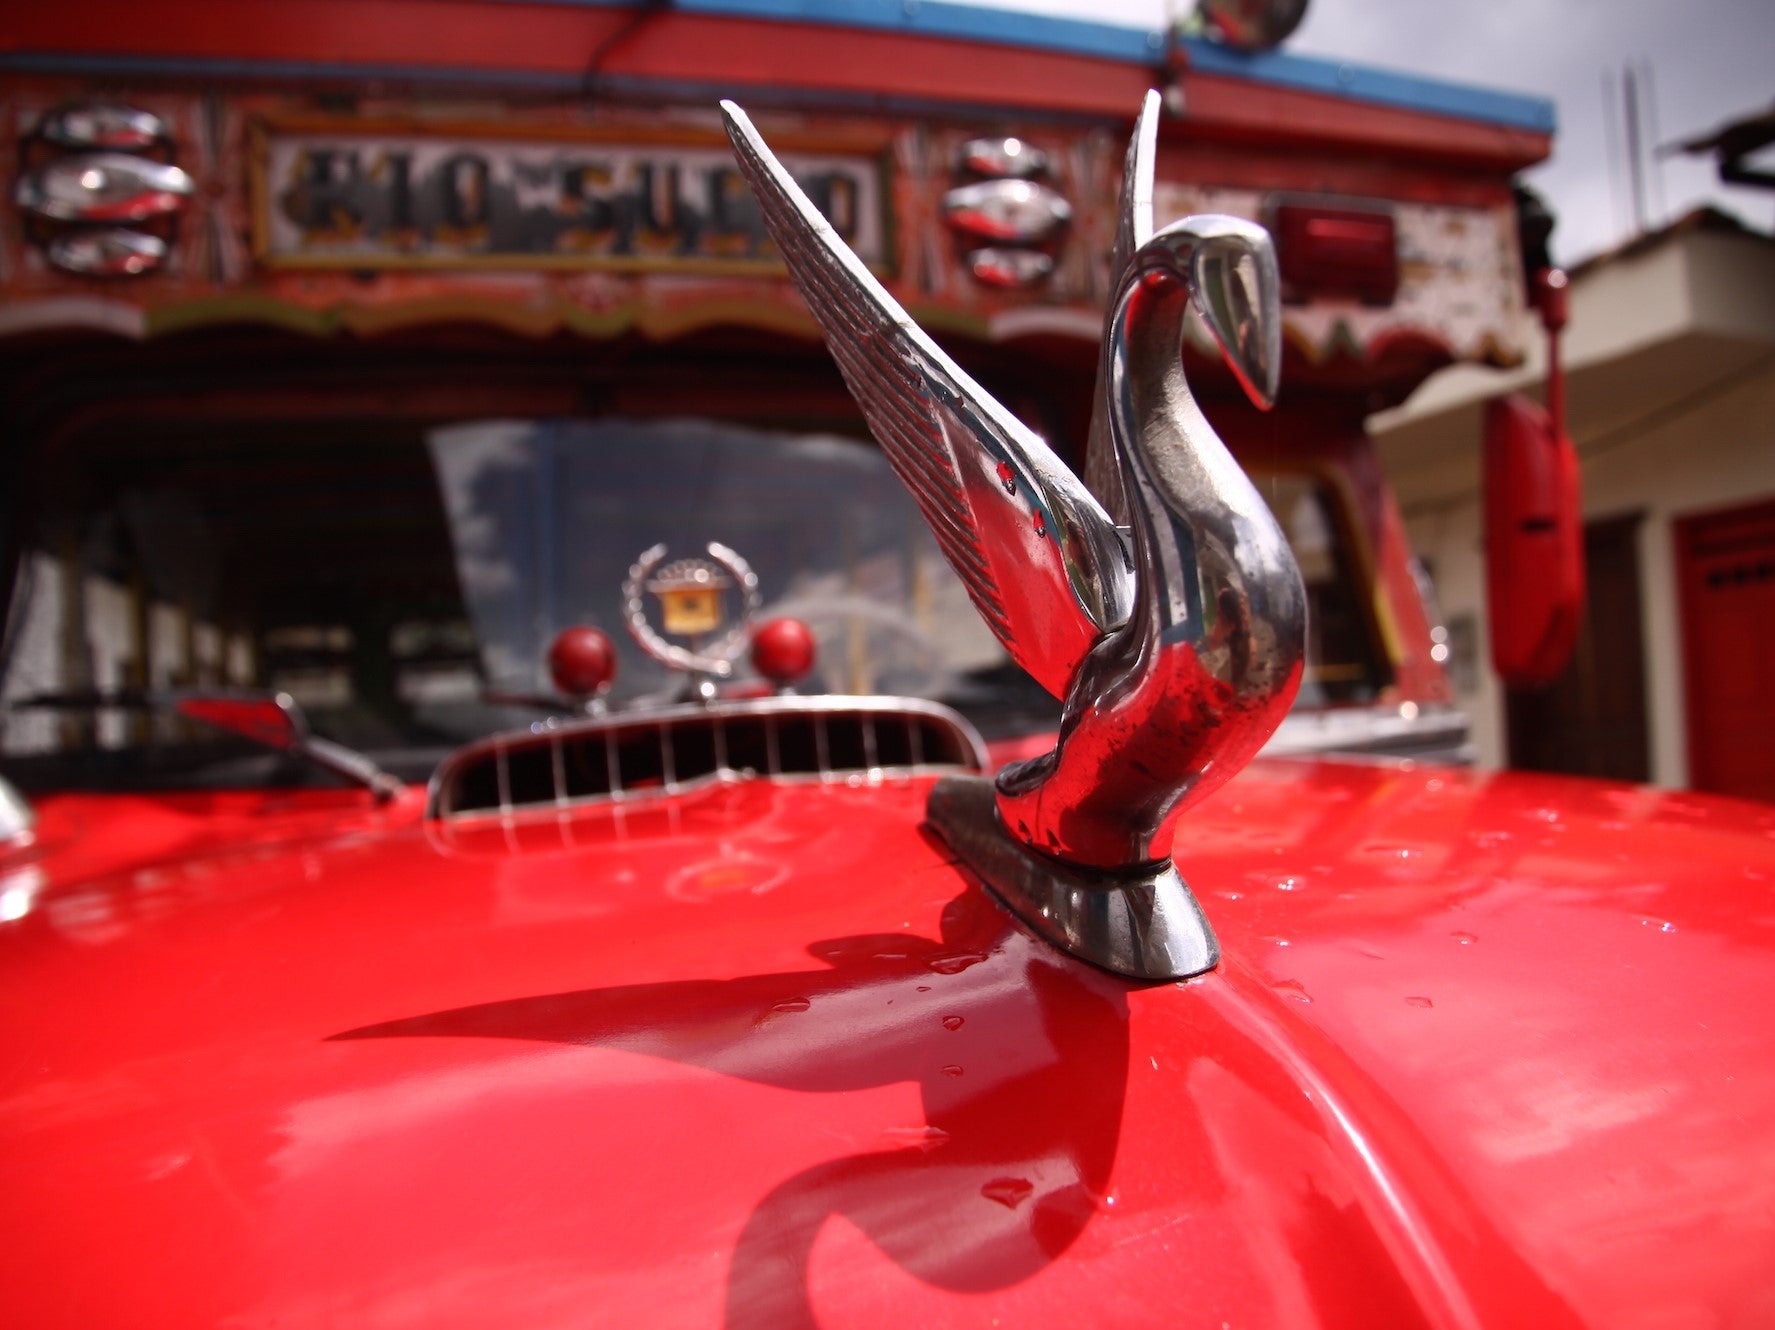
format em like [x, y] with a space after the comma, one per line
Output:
[559, 40]
[1234, 110]
[1329, 170]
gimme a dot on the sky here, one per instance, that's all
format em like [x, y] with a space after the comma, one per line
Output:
[1711, 62]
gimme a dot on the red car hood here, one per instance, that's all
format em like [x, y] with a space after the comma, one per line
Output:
[1481, 1051]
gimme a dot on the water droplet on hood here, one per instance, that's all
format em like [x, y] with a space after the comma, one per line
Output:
[920, 1138]
[1008, 1192]
[953, 1022]
[787, 1007]
[956, 962]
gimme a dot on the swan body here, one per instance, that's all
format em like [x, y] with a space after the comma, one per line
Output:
[1177, 653]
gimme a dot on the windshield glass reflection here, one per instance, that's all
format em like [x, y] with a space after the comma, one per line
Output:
[393, 578]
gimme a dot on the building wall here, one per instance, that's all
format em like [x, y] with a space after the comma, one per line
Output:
[1713, 449]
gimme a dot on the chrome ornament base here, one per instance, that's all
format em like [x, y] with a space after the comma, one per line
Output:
[1143, 924]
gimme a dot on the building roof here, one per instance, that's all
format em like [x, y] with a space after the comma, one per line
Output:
[1656, 321]
[1706, 218]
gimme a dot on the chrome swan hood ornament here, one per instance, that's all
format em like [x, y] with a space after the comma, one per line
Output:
[1177, 653]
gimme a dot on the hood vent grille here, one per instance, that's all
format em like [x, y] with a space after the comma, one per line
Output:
[642, 755]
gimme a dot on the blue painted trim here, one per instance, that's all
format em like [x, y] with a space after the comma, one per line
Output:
[927, 18]
[1369, 84]
[934, 18]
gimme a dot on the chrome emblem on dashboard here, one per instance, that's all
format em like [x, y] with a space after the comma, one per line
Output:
[1177, 653]
[691, 598]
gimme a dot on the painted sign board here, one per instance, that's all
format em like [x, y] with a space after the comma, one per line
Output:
[352, 195]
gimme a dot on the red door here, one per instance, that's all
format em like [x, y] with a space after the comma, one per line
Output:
[1726, 571]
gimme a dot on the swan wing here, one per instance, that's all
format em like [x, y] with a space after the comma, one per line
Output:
[1037, 554]
[1134, 227]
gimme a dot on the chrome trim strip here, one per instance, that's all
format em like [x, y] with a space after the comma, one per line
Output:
[111, 251]
[1433, 733]
[441, 803]
[17, 817]
[103, 187]
[103, 125]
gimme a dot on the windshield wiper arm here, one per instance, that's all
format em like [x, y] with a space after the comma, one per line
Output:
[271, 719]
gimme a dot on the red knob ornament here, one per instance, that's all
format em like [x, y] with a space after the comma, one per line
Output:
[582, 661]
[783, 651]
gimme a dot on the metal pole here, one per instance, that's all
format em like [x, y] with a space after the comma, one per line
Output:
[1635, 164]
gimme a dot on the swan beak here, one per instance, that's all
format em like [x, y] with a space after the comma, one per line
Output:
[1238, 294]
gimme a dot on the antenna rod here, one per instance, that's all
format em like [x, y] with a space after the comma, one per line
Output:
[1655, 159]
[1635, 166]
[1611, 151]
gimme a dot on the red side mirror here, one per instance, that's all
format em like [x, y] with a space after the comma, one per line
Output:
[1534, 543]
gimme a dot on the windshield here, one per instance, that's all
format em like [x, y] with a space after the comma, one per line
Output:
[391, 577]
